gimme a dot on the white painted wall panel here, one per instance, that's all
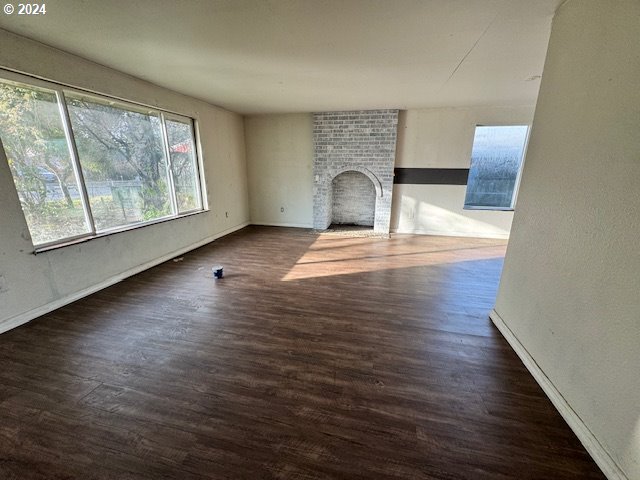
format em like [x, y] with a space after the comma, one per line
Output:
[29, 284]
[280, 162]
[443, 138]
[570, 287]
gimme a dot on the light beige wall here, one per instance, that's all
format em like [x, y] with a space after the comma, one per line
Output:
[570, 291]
[280, 164]
[443, 138]
[31, 284]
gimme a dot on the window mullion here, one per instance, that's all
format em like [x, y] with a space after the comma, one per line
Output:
[75, 160]
[167, 153]
[196, 164]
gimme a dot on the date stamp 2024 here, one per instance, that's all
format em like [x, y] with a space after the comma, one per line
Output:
[25, 9]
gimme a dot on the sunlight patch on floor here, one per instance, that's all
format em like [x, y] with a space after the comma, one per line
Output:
[338, 255]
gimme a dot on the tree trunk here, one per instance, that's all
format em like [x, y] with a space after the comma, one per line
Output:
[65, 191]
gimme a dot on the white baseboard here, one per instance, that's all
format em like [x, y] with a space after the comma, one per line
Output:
[25, 317]
[440, 233]
[276, 224]
[608, 466]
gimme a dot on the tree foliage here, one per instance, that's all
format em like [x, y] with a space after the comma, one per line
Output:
[121, 152]
[35, 144]
[114, 143]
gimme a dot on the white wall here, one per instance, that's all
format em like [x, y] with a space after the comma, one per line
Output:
[570, 291]
[32, 284]
[443, 138]
[280, 164]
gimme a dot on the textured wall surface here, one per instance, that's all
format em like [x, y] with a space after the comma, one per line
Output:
[280, 164]
[569, 289]
[354, 199]
[354, 141]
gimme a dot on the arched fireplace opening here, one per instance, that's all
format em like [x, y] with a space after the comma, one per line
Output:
[353, 200]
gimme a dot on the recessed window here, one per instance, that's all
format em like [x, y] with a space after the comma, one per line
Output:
[84, 165]
[496, 162]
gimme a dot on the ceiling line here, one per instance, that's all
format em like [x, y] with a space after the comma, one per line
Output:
[469, 52]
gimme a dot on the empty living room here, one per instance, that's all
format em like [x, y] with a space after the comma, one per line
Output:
[298, 239]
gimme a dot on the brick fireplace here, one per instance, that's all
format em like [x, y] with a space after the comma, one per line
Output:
[351, 148]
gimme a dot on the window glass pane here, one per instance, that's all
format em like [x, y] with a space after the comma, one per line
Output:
[123, 161]
[34, 141]
[183, 164]
[495, 163]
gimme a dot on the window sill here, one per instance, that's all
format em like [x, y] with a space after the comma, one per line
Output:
[496, 209]
[106, 233]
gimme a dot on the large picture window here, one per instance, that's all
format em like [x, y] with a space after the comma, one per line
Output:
[496, 161]
[85, 165]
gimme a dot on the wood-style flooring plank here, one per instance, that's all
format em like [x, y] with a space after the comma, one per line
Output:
[315, 357]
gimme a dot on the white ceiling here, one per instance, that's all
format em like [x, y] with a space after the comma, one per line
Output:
[260, 56]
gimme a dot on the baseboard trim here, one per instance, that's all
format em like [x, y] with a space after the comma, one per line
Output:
[602, 458]
[26, 317]
[276, 224]
[440, 233]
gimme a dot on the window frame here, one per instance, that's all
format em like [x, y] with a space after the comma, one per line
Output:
[59, 90]
[516, 187]
[197, 166]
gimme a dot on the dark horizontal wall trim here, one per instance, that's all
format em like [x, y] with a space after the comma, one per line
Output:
[431, 176]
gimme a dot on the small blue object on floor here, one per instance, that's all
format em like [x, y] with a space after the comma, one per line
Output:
[217, 271]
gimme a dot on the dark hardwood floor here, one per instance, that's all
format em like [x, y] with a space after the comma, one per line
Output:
[314, 357]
